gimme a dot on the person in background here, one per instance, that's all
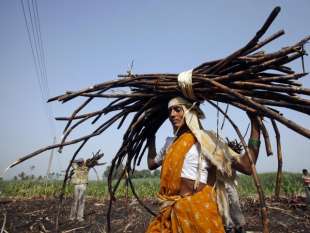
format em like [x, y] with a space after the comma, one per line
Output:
[306, 182]
[79, 179]
[236, 221]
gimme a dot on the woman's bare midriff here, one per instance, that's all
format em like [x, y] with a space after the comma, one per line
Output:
[187, 187]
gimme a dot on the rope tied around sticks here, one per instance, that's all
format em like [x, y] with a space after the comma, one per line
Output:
[186, 85]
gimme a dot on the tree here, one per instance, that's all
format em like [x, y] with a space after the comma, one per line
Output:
[22, 176]
[32, 167]
[145, 173]
[116, 173]
[58, 175]
[156, 173]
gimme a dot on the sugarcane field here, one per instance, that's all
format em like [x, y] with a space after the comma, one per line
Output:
[30, 210]
[155, 116]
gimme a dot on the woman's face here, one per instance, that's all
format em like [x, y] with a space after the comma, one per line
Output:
[176, 114]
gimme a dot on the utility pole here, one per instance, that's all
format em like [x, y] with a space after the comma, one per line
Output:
[50, 160]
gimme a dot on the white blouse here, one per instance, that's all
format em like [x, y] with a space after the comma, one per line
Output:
[190, 164]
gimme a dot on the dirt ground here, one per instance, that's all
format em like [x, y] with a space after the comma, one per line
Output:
[38, 215]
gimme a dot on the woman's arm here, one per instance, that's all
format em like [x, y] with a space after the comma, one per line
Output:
[244, 165]
[151, 154]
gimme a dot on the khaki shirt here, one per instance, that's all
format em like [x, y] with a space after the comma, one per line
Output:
[80, 174]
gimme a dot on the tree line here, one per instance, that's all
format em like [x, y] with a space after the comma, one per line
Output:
[145, 173]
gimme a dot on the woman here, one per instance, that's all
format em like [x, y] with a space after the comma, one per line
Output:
[195, 165]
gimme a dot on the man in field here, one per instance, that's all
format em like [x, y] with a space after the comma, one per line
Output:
[306, 181]
[80, 180]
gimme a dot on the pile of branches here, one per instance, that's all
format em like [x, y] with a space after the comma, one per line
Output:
[90, 163]
[250, 79]
[94, 160]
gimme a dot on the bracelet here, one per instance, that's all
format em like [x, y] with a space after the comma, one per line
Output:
[254, 143]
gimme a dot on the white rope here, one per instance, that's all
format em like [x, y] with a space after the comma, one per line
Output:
[185, 83]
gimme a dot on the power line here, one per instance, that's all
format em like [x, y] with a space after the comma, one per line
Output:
[32, 22]
[32, 49]
[33, 27]
[41, 48]
[42, 57]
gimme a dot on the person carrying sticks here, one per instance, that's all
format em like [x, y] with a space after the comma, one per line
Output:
[195, 166]
[79, 178]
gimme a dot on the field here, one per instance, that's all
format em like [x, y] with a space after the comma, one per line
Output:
[145, 187]
[30, 206]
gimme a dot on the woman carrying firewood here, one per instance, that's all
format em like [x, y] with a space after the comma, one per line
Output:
[195, 164]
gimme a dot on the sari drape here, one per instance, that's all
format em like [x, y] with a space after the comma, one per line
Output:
[197, 213]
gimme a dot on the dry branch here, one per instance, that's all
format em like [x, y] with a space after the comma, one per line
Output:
[280, 160]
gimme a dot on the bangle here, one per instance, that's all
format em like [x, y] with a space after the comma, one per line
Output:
[254, 143]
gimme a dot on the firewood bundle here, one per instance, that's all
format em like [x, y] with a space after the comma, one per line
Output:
[250, 79]
[94, 160]
[253, 80]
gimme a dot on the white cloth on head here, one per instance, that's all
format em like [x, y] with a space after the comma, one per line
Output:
[179, 101]
[189, 105]
[185, 83]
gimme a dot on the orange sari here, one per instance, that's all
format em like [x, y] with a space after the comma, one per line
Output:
[197, 213]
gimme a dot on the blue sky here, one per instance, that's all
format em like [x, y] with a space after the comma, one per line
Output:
[89, 42]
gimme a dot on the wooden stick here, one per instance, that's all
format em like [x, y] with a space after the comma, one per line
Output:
[280, 160]
[250, 45]
[272, 114]
[265, 219]
[266, 139]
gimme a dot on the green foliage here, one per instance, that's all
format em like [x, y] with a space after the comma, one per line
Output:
[116, 173]
[142, 174]
[144, 187]
[157, 173]
[291, 184]
[145, 174]
[30, 188]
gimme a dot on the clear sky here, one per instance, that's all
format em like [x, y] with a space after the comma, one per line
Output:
[89, 42]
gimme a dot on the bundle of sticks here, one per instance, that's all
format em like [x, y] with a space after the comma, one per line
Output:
[250, 79]
[235, 145]
[90, 163]
[94, 160]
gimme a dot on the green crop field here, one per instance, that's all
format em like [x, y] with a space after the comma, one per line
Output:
[144, 187]
[291, 184]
